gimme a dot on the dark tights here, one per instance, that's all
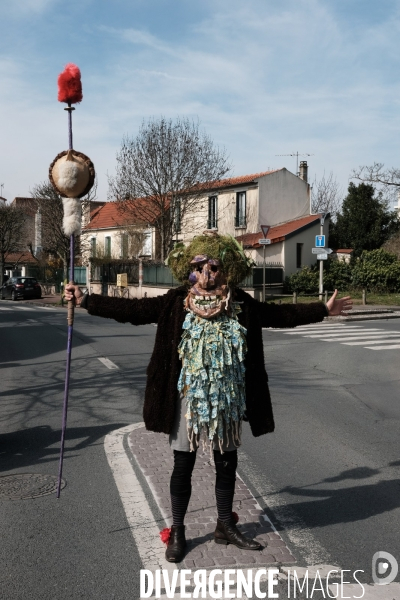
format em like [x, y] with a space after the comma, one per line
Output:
[181, 483]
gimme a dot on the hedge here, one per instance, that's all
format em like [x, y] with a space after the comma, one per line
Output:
[374, 270]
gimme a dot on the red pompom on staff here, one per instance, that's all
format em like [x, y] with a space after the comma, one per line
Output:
[72, 175]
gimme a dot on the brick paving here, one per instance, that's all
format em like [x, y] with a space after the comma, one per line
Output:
[155, 459]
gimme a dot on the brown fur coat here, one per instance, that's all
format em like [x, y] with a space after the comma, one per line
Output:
[164, 368]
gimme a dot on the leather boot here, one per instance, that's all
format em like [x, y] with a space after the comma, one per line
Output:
[228, 533]
[176, 545]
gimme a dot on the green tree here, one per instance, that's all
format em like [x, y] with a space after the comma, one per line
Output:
[365, 222]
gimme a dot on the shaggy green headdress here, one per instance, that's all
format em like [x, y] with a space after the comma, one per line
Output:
[236, 265]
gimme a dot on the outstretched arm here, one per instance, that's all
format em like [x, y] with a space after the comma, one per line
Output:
[293, 315]
[123, 310]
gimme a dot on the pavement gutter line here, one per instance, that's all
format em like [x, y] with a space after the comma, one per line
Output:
[146, 533]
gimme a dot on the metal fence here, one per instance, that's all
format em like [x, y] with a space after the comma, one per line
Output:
[107, 272]
[47, 275]
[159, 275]
[273, 276]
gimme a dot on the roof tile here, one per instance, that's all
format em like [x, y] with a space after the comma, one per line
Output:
[278, 232]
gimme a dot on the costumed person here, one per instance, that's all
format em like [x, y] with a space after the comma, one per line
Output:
[207, 374]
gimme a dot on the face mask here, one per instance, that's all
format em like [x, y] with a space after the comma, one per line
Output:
[208, 295]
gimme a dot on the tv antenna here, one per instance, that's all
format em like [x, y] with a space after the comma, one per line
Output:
[296, 154]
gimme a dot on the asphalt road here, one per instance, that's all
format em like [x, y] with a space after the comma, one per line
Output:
[331, 471]
[329, 474]
[78, 546]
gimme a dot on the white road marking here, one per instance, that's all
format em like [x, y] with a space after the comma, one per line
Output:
[137, 510]
[362, 336]
[4, 308]
[324, 332]
[306, 327]
[394, 347]
[389, 341]
[338, 335]
[108, 363]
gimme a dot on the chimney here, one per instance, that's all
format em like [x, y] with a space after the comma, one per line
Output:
[304, 171]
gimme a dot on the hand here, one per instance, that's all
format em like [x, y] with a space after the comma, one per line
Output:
[336, 307]
[72, 292]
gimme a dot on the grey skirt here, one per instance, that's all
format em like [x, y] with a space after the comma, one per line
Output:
[178, 438]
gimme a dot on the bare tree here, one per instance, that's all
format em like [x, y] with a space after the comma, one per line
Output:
[50, 206]
[162, 172]
[386, 180]
[132, 238]
[12, 233]
[326, 195]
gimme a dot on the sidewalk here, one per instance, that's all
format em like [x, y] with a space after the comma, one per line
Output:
[48, 300]
[154, 458]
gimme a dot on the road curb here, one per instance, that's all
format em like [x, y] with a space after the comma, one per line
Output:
[367, 317]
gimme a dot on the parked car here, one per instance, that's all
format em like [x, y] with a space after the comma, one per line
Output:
[21, 287]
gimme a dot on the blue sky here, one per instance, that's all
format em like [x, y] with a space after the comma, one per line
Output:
[264, 78]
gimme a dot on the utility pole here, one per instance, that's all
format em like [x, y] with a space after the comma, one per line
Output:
[321, 262]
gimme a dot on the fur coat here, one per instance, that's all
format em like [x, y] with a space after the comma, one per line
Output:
[161, 393]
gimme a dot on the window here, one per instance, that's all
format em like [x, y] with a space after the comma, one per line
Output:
[93, 247]
[177, 214]
[212, 222]
[240, 219]
[107, 246]
[299, 249]
[124, 245]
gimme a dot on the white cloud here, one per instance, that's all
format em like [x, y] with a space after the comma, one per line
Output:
[25, 8]
[264, 80]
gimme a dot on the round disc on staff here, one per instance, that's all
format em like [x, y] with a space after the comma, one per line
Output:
[72, 174]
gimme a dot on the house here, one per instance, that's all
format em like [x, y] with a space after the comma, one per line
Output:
[17, 264]
[290, 245]
[240, 205]
[343, 254]
[112, 234]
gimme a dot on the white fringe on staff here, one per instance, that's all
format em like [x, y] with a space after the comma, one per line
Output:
[72, 221]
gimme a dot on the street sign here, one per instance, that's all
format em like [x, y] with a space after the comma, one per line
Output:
[320, 241]
[317, 250]
[322, 256]
[265, 229]
[264, 241]
[122, 280]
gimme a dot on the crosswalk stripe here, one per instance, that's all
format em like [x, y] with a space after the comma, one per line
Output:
[306, 327]
[4, 308]
[389, 341]
[394, 347]
[358, 332]
[324, 332]
[361, 336]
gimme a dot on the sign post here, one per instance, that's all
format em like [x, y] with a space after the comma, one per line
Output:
[320, 243]
[264, 241]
